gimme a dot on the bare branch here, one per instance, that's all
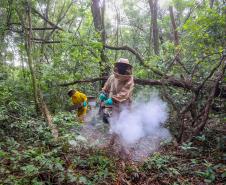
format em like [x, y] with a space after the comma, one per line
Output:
[170, 81]
[89, 80]
[41, 29]
[210, 75]
[47, 20]
[135, 52]
[60, 18]
[218, 77]
[42, 41]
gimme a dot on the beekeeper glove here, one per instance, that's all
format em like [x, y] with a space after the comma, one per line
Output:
[102, 97]
[109, 101]
[84, 104]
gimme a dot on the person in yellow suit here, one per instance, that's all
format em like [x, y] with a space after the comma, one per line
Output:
[79, 100]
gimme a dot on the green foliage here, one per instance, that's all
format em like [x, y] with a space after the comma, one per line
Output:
[161, 163]
[187, 146]
[211, 172]
[66, 121]
[102, 166]
[31, 155]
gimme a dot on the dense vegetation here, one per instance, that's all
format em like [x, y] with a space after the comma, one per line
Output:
[49, 46]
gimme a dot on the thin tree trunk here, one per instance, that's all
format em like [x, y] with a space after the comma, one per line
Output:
[117, 30]
[103, 33]
[98, 19]
[43, 32]
[96, 12]
[39, 102]
[47, 115]
[175, 33]
[161, 40]
[28, 45]
[154, 32]
[211, 3]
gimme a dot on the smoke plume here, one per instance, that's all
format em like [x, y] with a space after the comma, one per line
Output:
[142, 125]
[140, 129]
[143, 119]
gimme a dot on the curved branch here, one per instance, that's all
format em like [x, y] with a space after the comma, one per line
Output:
[89, 80]
[42, 41]
[135, 52]
[170, 81]
[210, 74]
[47, 20]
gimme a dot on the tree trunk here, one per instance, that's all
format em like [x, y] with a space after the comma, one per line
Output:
[154, 25]
[175, 33]
[98, 19]
[44, 31]
[28, 45]
[96, 12]
[117, 30]
[211, 3]
[39, 102]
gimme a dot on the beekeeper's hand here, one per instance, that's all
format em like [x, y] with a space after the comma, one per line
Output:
[108, 102]
[102, 97]
[84, 104]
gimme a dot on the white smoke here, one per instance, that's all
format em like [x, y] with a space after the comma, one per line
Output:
[144, 119]
[140, 129]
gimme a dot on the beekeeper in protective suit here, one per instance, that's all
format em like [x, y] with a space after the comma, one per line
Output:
[117, 91]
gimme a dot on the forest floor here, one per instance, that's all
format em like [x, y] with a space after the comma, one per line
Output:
[29, 155]
[198, 162]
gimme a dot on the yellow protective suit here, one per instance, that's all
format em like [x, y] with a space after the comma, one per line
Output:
[79, 98]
